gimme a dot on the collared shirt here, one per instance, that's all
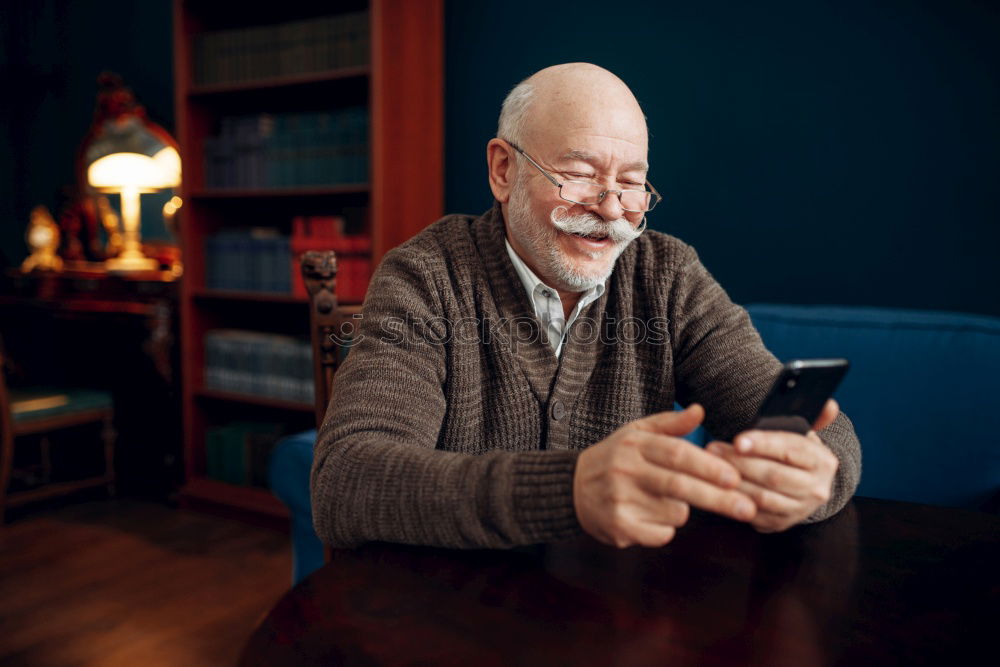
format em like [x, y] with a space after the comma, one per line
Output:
[548, 306]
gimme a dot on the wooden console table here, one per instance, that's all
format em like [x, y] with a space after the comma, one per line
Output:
[86, 327]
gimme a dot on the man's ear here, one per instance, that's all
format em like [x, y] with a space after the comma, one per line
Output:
[500, 161]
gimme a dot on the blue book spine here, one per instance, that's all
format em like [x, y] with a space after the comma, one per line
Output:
[283, 265]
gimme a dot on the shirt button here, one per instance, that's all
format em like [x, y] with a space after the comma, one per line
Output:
[558, 410]
[545, 292]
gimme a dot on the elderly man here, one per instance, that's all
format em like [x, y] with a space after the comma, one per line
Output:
[494, 398]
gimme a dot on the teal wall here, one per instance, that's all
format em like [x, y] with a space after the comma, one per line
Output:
[832, 152]
[52, 52]
[844, 151]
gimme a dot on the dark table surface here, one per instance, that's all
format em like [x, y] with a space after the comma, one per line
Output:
[881, 583]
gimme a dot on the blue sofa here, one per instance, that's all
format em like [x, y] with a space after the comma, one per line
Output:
[288, 475]
[923, 392]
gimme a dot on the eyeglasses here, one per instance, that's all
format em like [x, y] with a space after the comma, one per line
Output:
[588, 193]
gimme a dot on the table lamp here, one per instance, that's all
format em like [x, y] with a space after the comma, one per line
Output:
[125, 153]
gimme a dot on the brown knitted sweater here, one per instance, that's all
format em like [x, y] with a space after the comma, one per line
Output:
[452, 422]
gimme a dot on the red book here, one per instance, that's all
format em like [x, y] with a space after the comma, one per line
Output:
[326, 233]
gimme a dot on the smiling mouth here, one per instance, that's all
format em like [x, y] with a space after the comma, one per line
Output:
[591, 237]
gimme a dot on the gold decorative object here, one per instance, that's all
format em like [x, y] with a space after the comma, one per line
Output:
[42, 237]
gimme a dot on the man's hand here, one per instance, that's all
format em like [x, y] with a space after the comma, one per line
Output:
[788, 475]
[637, 485]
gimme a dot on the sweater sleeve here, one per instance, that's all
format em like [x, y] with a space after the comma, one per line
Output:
[377, 475]
[721, 362]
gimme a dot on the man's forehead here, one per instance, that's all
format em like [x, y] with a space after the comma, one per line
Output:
[582, 155]
[597, 134]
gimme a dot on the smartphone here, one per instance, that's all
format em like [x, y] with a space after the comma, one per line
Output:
[799, 393]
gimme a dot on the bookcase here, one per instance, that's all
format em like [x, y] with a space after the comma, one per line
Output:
[291, 116]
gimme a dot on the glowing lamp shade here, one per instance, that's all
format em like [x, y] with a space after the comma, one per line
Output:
[118, 171]
[125, 153]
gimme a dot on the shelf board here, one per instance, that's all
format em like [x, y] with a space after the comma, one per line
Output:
[249, 498]
[250, 399]
[276, 83]
[208, 294]
[277, 193]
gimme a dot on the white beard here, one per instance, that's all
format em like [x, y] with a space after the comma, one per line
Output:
[541, 241]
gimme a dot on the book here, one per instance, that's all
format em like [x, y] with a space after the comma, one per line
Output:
[256, 259]
[260, 151]
[283, 49]
[259, 364]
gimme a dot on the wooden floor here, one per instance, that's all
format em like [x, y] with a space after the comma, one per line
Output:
[134, 583]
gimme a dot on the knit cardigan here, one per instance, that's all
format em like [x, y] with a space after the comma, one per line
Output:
[453, 423]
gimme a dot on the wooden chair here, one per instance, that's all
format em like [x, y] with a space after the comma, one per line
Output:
[326, 319]
[42, 411]
[291, 461]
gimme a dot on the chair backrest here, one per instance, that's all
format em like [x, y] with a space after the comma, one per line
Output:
[319, 272]
[6, 418]
[922, 392]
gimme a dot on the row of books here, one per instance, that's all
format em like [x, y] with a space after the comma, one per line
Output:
[260, 259]
[238, 452]
[284, 49]
[259, 364]
[289, 150]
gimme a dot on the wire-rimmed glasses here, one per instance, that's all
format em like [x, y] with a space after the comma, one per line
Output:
[588, 193]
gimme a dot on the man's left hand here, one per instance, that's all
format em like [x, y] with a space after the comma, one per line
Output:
[788, 476]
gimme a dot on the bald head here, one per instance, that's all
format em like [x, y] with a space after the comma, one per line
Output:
[573, 97]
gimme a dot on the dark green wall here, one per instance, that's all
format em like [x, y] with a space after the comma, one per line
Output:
[813, 152]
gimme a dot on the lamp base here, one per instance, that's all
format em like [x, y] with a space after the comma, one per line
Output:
[131, 263]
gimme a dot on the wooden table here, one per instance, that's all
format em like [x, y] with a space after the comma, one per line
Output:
[882, 583]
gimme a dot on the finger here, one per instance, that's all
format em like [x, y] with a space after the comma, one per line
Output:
[769, 501]
[827, 417]
[632, 525]
[696, 492]
[663, 510]
[682, 456]
[651, 534]
[782, 446]
[770, 474]
[767, 522]
[672, 422]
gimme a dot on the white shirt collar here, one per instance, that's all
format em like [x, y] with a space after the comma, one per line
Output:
[546, 301]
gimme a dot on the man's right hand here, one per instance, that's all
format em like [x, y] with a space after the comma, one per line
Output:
[637, 485]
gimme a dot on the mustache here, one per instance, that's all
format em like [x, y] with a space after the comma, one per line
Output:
[619, 231]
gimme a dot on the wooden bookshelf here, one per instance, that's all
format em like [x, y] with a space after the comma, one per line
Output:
[250, 399]
[207, 294]
[401, 86]
[308, 79]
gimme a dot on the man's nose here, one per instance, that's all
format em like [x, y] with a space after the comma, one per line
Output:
[610, 207]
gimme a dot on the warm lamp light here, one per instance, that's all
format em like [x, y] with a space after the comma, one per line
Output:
[126, 153]
[131, 170]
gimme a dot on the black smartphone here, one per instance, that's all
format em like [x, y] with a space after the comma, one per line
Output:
[799, 393]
